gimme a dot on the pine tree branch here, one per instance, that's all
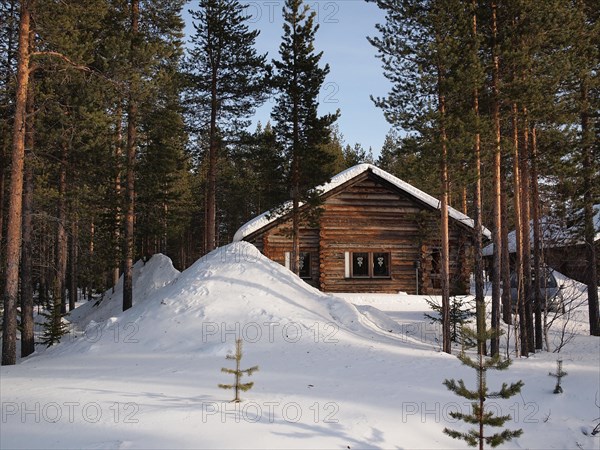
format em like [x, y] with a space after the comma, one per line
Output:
[74, 65]
[62, 58]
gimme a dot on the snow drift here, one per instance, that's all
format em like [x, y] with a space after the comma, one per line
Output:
[331, 375]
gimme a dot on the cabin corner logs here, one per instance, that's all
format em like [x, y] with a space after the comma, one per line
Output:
[392, 234]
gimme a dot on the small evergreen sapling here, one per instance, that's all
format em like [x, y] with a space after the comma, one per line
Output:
[558, 375]
[238, 385]
[460, 313]
[479, 416]
[54, 327]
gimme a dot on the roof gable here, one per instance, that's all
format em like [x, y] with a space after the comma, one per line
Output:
[347, 176]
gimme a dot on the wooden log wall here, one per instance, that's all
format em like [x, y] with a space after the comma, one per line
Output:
[371, 215]
[277, 241]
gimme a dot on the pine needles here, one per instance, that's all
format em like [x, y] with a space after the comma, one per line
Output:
[478, 416]
[239, 373]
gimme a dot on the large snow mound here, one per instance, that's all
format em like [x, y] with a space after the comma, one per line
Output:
[233, 292]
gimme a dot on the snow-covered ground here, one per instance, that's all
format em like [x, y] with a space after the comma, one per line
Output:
[352, 371]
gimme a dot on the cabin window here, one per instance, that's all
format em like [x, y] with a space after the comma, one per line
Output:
[367, 265]
[305, 271]
[360, 265]
[304, 264]
[381, 265]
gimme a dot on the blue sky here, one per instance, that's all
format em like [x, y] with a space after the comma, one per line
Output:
[355, 71]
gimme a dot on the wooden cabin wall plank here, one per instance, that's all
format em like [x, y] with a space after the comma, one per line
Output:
[371, 216]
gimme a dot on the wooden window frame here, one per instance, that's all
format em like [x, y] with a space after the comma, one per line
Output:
[288, 263]
[309, 276]
[349, 266]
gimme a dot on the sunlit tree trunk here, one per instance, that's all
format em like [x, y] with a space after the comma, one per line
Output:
[527, 339]
[13, 234]
[517, 217]
[497, 161]
[445, 262]
[479, 281]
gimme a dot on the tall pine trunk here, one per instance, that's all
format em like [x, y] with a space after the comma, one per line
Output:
[445, 262]
[13, 233]
[505, 251]
[537, 243]
[527, 339]
[211, 182]
[91, 250]
[73, 263]
[479, 281]
[526, 224]
[117, 187]
[295, 257]
[60, 284]
[589, 172]
[27, 335]
[497, 193]
[519, 270]
[3, 165]
[4, 160]
[132, 113]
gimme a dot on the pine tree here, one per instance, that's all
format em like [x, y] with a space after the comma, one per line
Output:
[558, 375]
[357, 155]
[298, 127]
[460, 313]
[155, 38]
[254, 181]
[478, 416]
[13, 235]
[54, 326]
[587, 51]
[227, 81]
[387, 156]
[164, 188]
[238, 373]
[134, 88]
[8, 47]
[416, 35]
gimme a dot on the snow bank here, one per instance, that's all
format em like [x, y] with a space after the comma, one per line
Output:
[331, 375]
[232, 292]
[148, 278]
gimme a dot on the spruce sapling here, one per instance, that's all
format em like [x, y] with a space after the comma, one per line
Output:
[558, 375]
[460, 313]
[238, 385]
[479, 416]
[54, 327]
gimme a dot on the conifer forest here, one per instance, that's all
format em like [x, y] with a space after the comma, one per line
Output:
[121, 138]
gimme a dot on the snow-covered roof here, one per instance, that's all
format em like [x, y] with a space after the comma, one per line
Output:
[271, 216]
[554, 233]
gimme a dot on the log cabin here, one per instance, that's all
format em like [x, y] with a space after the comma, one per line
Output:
[374, 233]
